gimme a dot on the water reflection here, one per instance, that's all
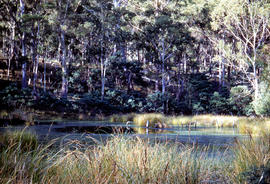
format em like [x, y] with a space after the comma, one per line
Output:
[73, 130]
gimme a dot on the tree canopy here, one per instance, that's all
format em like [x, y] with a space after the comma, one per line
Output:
[199, 56]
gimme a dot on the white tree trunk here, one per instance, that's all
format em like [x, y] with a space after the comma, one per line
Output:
[11, 49]
[44, 73]
[103, 77]
[64, 88]
[35, 59]
[24, 64]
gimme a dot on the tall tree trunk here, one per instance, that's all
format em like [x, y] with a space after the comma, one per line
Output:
[103, 77]
[223, 72]
[24, 62]
[138, 54]
[35, 58]
[12, 50]
[64, 88]
[185, 64]
[179, 82]
[221, 77]
[44, 72]
[255, 81]
[163, 82]
[88, 79]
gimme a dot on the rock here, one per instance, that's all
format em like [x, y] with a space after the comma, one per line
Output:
[158, 125]
[161, 125]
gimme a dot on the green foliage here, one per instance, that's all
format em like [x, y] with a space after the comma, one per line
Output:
[135, 46]
[93, 103]
[12, 96]
[199, 93]
[262, 104]
[218, 104]
[155, 102]
[128, 102]
[241, 101]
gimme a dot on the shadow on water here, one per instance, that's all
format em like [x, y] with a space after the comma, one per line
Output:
[94, 129]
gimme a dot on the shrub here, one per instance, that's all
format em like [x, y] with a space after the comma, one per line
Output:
[154, 103]
[218, 104]
[241, 101]
[12, 96]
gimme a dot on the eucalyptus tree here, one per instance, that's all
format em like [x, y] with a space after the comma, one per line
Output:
[108, 33]
[13, 15]
[161, 29]
[247, 22]
[99, 12]
[9, 26]
[60, 17]
[33, 21]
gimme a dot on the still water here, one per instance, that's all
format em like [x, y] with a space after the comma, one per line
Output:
[100, 131]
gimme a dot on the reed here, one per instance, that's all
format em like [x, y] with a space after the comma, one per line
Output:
[201, 120]
[123, 160]
[22, 160]
[122, 118]
[252, 160]
[130, 160]
[152, 118]
[254, 126]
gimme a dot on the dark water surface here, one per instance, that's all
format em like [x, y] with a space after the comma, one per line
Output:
[100, 131]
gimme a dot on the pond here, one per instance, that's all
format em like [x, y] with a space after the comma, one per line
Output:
[99, 131]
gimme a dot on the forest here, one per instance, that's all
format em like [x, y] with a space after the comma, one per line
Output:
[118, 56]
[135, 91]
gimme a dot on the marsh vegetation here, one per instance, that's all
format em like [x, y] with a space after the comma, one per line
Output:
[129, 160]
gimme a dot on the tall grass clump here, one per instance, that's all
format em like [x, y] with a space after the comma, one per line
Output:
[180, 120]
[254, 126]
[118, 160]
[122, 118]
[252, 160]
[153, 118]
[123, 160]
[22, 160]
[205, 120]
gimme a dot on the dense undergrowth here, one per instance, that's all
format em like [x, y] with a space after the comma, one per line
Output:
[129, 160]
[206, 99]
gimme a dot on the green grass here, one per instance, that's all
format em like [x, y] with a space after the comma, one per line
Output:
[123, 160]
[129, 160]
[252, 158]
[22, 160]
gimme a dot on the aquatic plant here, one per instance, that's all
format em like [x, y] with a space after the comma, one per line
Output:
[152, 118]
[254, 126]
[122, 118]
